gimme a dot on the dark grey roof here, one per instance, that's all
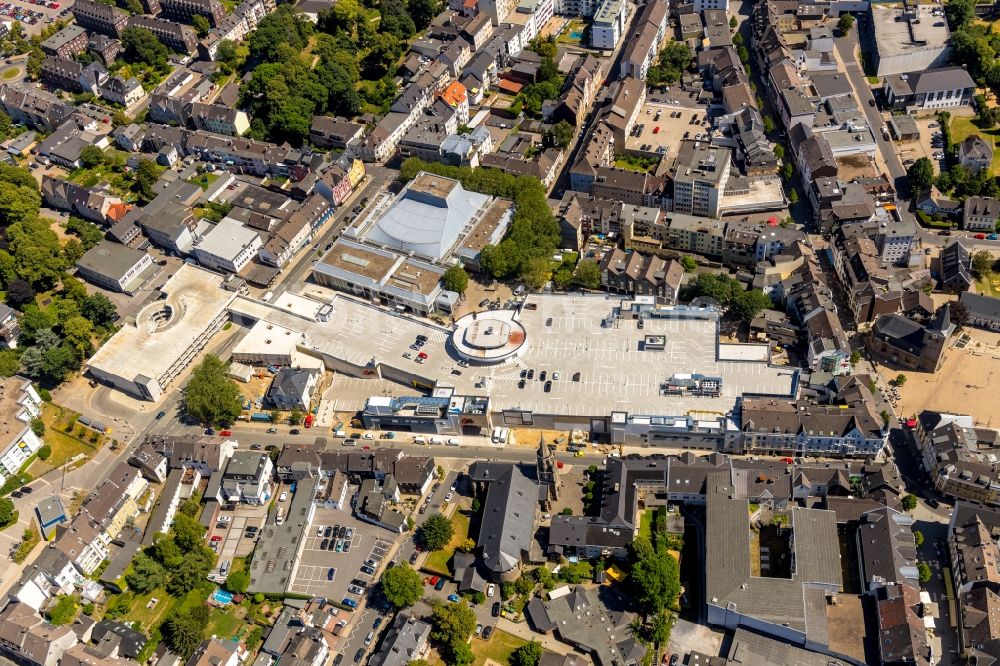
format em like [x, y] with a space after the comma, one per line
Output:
[888, 551]
[291, 382]
[132, 641]
[508, 523]
[985, 307]
[402, 643]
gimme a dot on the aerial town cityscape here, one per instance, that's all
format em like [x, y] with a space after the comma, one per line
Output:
[499, 332]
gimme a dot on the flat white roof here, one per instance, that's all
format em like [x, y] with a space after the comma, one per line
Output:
[227, 239]
[165, 329]
[268, 338]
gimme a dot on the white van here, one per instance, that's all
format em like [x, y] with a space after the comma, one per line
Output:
[369, 638]
[419, 440]
[495, 437]
[436, 440]
[453, 442]
[504, 433]
[340, 433]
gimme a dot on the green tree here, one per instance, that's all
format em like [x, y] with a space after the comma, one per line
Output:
[560, 135]
[960, 13]
[845, 24]
[423, 12]
[899, 380]
[689, 264]
[451, 623]
[146, 175]
[539, 271]
[45, 451]
[63, 611]
[295, 418]
[78, 332]
[228, 55]
[238, 581]
[527, 655]
[17, 203]
[909, 502]
[183, 632]
[748, 304]
[7, 512]
[779, 151]
[402, 586]
[436, 532]
[855, 357]
[655, 576]
[88, 232]
[918, 538]
[587, 274]
[141, 47]
[200, 25]
[91, 156]
[19, 293]
[923, 573]
[146, 575]
[188, 533]
[921, 174]
[733, 22]
[99, 309]
[982, 262]
[793, 196]
[455, 279]
[211, 397]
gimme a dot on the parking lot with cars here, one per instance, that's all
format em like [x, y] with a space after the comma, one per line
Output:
[661, 127]
[234, 533]
[342, 557]
[34, 15]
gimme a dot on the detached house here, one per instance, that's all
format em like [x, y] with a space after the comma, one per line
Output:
[975, 154]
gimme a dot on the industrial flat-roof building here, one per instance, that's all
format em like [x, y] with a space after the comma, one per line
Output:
[396, 252]
[143, 357]
[117, 267]
[909, 39]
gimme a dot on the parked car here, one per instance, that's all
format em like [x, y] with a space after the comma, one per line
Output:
[413, 559]
[359, 655]
[440, 585]
[453, 598]
[324, 543]
[491, 590]
[496, 609]
[160, 414]
[368, 570]
[354, 589]
[329, 573]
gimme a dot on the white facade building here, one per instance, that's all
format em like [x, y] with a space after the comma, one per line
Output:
[229, 247]
[19, 405]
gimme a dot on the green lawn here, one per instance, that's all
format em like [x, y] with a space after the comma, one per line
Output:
[12, 73]
[204, 180]
[963, 127]
[633, 163]
[986, 287]
[499, 648]
[64, 446]
[646, 524]
[437, 561]
[150, 617]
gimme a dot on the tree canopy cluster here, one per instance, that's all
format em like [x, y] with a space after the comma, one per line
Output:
[402, 586]
[452, 624]
[141, 47]
[436, 532]
[739, 302]
[342, 65]
[550, 82]
[534, 232]
[974, 45]
[54, 340]
[674, 58]
[211, 397]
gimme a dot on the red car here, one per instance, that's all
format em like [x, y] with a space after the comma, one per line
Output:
[226, 433]
[980, 236]
[434, 580]
[422, 355]
[216, 538]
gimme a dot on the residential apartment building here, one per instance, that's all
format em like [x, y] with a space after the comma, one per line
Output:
[20, 404]
[981, 214]
[66, 43]
[102, 18]
[956, 455]
[609, 24]
[219, 119]
[643, 45]
[701, 173]
[641, 275]
[183, 11]
[177, 37]
[942, 88]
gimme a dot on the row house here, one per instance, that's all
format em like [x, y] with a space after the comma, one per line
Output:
[35, 108]
[581, 86]
[235, 26]
[643, 45]
[641, 275]
[797, 428]
[337, 133]
[96, 205]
